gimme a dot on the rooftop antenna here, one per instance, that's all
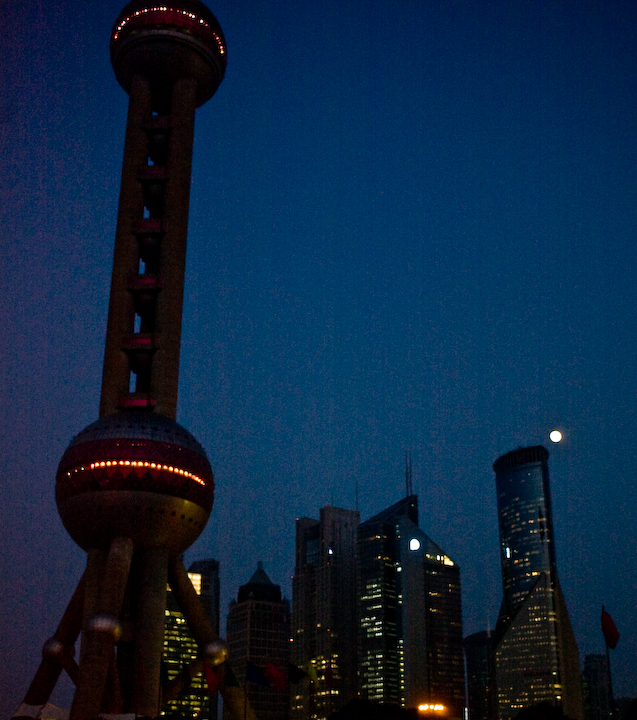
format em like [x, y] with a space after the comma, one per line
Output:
[356, 490]
[409, 487]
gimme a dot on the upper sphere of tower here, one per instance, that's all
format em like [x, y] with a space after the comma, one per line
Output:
[164, 43]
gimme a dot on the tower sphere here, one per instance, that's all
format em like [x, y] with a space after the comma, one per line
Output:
[134, 474]
[166, 42]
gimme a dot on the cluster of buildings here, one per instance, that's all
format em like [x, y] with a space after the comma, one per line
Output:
[376, 610]
[376, 616]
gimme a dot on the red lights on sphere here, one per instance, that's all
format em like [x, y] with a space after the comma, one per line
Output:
[164, 42]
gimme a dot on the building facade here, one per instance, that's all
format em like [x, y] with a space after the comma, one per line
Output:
[535, 653]
[324, 613]
[409, 614]
[180, 648]
[258, 634]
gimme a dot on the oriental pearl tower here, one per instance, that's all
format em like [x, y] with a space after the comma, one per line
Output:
[135, 489]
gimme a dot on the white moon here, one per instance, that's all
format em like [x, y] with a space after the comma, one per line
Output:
[555, 436]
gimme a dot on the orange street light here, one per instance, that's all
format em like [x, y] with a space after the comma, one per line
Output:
[432, 710]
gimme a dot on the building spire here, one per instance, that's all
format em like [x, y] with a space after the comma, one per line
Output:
[409, 488]
[356, 491]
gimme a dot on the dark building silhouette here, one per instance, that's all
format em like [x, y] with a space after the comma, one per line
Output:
[625, 708]
[409, 614]
[181, 649]
[324, 612]
[596, 683]
[477, 649]
[135, 489]
[535, 654]
[259, 633]
[371, 710]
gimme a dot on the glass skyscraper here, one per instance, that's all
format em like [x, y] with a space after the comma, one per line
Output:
[535, 653]
[409, 614]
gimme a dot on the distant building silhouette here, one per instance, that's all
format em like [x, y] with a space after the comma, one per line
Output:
[596, 681]
[409, 614]
[477, 649]
[535, 654]
[180, 648]
[371, 710]
[259, 634]
[324, 612]
[626, 708]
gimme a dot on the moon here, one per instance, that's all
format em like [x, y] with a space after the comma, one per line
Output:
[555, 436]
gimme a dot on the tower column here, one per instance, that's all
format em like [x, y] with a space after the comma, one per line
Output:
[105, 588]
[165, 370]
[149, 630]
[121, 311]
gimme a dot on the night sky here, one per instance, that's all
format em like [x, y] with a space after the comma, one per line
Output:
[412, 228]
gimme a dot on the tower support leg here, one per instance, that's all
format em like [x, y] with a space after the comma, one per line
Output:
[149, 630]
[102, 607]
[57, 655]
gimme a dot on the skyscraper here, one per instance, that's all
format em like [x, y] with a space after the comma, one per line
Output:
[596, 680]
[135, 489]
[259, 633]
[180, 647]
[477, 650]
[324, 612]
[409, 614]
[535, 653]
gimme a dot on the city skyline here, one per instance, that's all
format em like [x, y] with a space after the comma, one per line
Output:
[429, 247]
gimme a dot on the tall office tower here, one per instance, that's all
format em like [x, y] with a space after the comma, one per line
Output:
[324, 612]
[536, 656]
[409, 614]
[477, 651]
[259, 633]
[181, 649]
[596, 681]
[135, 489]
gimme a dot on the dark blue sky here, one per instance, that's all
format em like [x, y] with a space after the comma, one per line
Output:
[412, 226]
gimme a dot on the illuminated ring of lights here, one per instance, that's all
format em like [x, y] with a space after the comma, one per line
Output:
[136, 451]
[177, 11]
[141, 464]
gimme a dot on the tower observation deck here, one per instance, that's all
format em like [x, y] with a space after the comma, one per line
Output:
[135, 489]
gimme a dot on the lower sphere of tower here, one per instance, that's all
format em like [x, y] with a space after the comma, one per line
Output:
[138, 475]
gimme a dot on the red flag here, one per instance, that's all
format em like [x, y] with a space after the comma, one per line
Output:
[276, 677]
[212, 679]
[611, 634]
